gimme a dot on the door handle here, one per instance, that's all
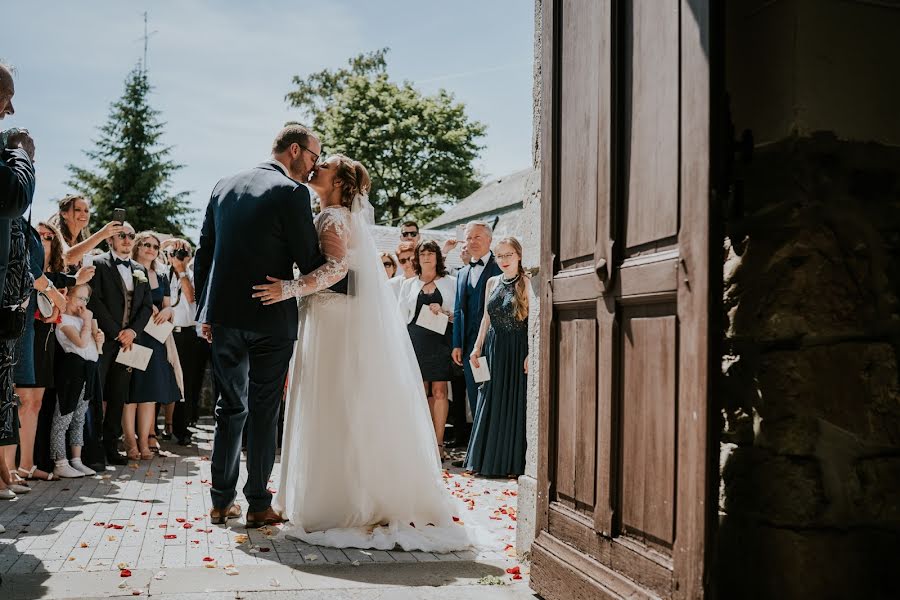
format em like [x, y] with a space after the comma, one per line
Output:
[604, 268]
[600, 269]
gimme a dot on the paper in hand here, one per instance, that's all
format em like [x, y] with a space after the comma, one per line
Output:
[159, 332]
[137, 358]
[481, 374]
[460, 233]
[434, 322]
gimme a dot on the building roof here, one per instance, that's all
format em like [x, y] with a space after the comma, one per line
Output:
[497, 196]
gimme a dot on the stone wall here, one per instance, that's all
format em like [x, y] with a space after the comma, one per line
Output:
[810, 486]
[531, 241]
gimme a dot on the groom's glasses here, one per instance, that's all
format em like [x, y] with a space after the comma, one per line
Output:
[318, 157]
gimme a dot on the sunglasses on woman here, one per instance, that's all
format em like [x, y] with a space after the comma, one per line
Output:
[388, 265]
[403, 261]
[410, 234]
[150, 246]
[48, 237]
[124, 235]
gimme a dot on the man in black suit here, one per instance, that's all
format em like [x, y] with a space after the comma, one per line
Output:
[258, 224]
[122, 304]
[471, 286]
[16, 171]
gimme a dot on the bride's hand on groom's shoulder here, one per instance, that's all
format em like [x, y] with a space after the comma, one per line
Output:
[270, 293]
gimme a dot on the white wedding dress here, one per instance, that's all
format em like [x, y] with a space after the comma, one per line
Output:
[359, 464]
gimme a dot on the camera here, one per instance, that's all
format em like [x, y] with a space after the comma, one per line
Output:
[179, 253]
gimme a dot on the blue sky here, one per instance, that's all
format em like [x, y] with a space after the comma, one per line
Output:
[221, 70]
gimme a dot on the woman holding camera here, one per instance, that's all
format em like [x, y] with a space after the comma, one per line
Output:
[157, 384]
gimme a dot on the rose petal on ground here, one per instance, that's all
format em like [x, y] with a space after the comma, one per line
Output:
[208, 559]
[83, 544]
[170, 536]
[187, 526]
[514, 570]
[125, 573]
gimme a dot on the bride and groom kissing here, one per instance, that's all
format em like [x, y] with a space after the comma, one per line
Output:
[359, 463]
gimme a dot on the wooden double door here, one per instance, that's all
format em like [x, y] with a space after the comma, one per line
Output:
[625, 496]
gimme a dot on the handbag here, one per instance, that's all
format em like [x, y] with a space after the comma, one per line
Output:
[44, 305]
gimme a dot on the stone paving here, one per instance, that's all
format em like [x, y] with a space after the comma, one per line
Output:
[150, 519]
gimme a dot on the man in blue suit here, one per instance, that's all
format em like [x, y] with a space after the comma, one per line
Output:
[258, 223]
[471, 282]
[16, 172]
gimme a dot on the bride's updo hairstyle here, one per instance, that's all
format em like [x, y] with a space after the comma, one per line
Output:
[353, 177]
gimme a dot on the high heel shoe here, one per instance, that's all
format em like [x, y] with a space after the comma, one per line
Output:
[146, 455]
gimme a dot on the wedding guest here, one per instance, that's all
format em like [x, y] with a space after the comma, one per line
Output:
[16, 193]
[79, 383]
[35, 349]
[193, 351]
[72, 220]
[497, 446]
[458, 418]
[122, 304]
[432, 290]
[405, 253]
[409, 232]
[389, 264]
[157, 384]
[470, 298]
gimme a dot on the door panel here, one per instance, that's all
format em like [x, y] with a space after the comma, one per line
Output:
[578, 123]
[650, 97]
[624, 487]
[648, 428]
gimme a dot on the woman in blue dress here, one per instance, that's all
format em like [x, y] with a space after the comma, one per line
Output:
[497, 445]
[158, 384]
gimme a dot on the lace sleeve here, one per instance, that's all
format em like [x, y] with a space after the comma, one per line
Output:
[334, 232]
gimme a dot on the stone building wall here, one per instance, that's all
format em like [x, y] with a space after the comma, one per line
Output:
[531, 243]
[810, 479]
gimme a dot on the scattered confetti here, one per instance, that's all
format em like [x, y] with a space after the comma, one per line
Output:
[231, 570]
[310, 557]
[83, 544]
[160, 576]
[275, 583]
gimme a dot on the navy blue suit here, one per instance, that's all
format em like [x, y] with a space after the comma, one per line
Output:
[258, 223]
[467, 319]
[16, 193]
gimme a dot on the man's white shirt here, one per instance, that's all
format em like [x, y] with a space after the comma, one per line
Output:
[476, 270]
[126, 272]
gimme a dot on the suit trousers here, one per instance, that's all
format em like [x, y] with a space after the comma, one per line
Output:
[250, 370]
[116, 380]
[193, 353]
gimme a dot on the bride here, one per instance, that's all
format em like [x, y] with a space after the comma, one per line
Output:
[359, 462]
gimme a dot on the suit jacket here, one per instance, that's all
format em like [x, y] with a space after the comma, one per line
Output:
[466, 325]
[16, 193]
[258, 223]
[409, 295]
[108, 299]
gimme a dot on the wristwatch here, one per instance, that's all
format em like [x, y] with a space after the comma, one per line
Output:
[49, 287]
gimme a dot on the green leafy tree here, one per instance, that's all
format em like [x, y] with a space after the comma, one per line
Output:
[419, 150]
[131, 170]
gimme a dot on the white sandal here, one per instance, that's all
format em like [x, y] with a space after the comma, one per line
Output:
[28, 474]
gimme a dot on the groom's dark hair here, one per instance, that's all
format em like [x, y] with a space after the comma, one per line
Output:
[293, 133]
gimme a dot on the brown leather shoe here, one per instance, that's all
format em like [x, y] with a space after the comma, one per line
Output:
[266, 517]
[220, 516]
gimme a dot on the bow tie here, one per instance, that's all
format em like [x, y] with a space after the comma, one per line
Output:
[477, 263]
[124, 263]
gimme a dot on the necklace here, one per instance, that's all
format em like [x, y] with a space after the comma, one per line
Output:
[509, 281]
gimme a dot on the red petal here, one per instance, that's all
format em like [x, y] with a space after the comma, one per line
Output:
[144, 514]
[517, 576]
[170, 536]
[124, 573]
[180, 520]
[455, 519]
[513, 570]
[208, 559]
[187, 525]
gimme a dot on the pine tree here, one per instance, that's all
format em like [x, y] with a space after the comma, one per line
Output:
[132, 171]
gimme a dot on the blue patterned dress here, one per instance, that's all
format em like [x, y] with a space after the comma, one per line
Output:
[157, 383]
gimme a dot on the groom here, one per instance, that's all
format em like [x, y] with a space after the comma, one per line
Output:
[258, 223]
